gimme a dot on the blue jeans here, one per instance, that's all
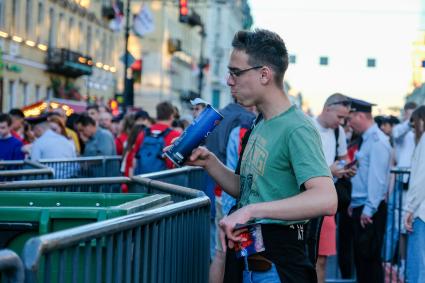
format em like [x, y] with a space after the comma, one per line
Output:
[270, 276]
[416, 253]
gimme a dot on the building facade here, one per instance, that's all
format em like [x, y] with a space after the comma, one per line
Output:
[56, 49]
[175, 53]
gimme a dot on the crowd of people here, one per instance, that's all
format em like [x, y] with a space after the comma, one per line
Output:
[270, 164]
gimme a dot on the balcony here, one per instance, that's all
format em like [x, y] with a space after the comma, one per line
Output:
[68, 63]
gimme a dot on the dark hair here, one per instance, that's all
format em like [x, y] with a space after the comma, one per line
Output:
[85, 120]
[71, 121]
[17, 112]
[132, 137]
[417, 116]
[128, 123]
[92, 106]
[264, 48]
[5, 118]
[410, 105]
[164, 111]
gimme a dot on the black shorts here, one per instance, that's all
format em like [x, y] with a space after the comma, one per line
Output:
[285, 249]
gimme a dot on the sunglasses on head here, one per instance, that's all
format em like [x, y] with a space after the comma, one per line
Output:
[345, 103]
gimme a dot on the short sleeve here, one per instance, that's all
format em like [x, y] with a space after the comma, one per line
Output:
[342, 142]
[306, 155]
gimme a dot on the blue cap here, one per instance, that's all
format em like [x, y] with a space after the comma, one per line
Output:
[358, 105]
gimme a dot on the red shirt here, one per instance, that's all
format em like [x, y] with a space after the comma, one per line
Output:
[119, 143]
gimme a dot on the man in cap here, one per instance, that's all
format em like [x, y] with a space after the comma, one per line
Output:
[48, 143]
[198, 105]
[370, 185]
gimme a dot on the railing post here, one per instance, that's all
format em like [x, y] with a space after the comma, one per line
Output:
[11, 267]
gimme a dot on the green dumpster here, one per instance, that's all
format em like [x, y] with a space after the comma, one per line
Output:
[27, 214]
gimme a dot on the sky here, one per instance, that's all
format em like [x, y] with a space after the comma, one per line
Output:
[348, 32]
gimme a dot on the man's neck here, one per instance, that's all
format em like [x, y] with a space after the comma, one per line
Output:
[5, 136]
[274, 103]
[321, 121]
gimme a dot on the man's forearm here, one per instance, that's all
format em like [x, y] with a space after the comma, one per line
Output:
[224, 177]
[311, 203]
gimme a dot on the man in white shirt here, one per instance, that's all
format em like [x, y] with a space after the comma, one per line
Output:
[48, 143]
[333, 115]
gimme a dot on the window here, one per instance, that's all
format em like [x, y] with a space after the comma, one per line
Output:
[28, 18]
[323, 61]
[15, 17]
[40, 20]
[37, 93]
[60, 38]
[51, 27]
[25, 93]
[292, 59]
[80, 37]
[2, 14]
[216, 98]
[88, 41]
[371, 63]
[12, 93]
[72, 35]
[49, 93]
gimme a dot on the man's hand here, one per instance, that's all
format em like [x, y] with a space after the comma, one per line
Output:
[200, 157]
[351, 172]
[228, 223]
[336, 171]
[365, 220]
[408, 222]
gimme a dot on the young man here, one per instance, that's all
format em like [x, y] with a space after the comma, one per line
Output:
[198, 105]
[370, 186]
[98, 142]
[284, 179]
[10, 147]
[93, 111]
[333, 115]
[17, 127]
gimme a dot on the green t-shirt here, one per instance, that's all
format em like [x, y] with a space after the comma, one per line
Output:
[282, 153]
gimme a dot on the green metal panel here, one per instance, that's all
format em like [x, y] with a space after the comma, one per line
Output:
[28, 214]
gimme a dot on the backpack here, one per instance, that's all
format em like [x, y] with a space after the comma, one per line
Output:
[149, 157]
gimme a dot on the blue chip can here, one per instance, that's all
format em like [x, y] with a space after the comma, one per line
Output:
[194, 134]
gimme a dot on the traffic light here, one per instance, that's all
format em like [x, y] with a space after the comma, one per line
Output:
[183, 11]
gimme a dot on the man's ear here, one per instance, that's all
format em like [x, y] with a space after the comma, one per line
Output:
[266, 75]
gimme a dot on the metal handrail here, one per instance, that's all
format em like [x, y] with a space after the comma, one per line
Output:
[400, 170]
[83, 158]
[171, 172]
[23, 162]
[11, 266]
[64, 182]
[23, 172]
[169, 188]
[36, 247]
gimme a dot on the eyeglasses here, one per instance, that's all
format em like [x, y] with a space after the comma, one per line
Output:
[234, 73]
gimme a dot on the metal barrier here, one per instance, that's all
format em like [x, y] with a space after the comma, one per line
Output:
[167, 244]
[85, 167]
[19, 170]
[191, 177]
[105, 185]
[11, 267]
[395, 241]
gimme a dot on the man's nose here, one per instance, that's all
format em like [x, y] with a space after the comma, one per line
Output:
[230, 81]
